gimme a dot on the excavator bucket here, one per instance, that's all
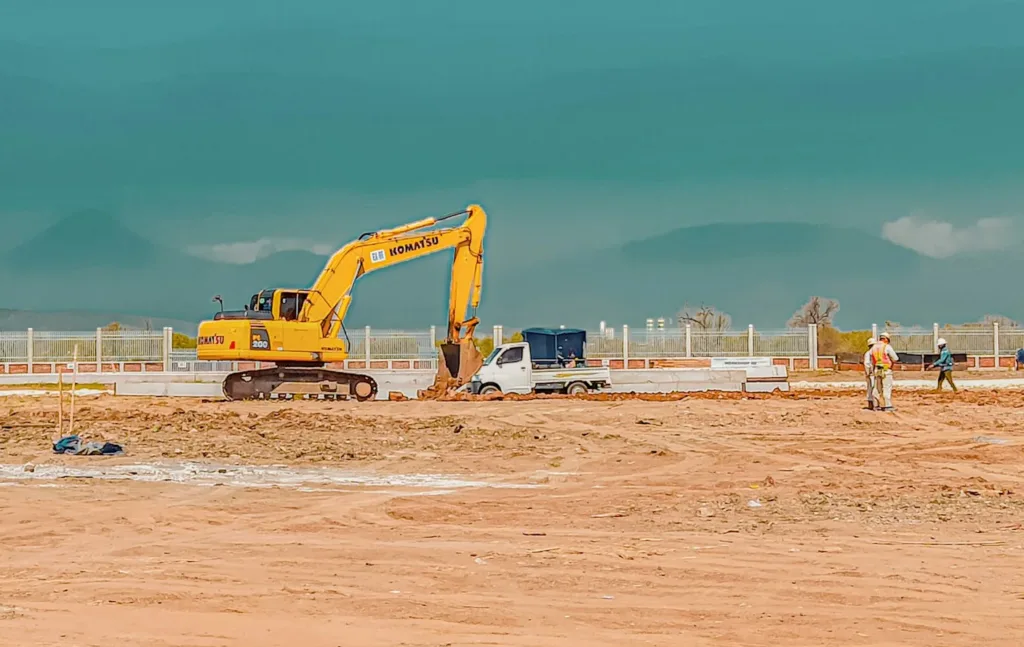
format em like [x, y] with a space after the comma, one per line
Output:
[450, 356]
[458, 362]
[461, 360]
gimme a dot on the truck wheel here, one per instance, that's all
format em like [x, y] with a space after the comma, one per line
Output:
[489, 389]
[576, 388]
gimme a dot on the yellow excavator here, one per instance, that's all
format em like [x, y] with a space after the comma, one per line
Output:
[299, 331]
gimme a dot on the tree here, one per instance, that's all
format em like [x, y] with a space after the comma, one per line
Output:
[484, 345]
[985, 323]
[180, 340]
[817, 311]
[1005, 323]
[705, 318]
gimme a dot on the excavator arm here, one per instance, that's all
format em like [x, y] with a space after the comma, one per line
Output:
[331, 295]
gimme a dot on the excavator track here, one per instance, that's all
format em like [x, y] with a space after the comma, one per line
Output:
[299, 382]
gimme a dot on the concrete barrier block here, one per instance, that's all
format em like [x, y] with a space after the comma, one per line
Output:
[679, 387]
[676, 376]
[767, 387]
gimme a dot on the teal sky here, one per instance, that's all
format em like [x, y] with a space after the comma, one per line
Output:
[201, 123]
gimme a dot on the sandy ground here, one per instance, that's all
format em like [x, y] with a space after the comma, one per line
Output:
[795, 520]
[933, 375]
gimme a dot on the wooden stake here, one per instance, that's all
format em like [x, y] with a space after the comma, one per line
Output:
[60, 404]
[74, 383]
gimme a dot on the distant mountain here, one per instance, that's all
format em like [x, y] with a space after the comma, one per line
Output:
[110, 245]
[759, 273]
[119, 271]
[762, 242]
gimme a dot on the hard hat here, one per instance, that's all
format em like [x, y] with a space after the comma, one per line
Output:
[884, 335]
[941, 342]
[871, 341]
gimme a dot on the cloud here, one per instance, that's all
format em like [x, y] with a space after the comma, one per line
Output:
[940, 239]
[245, 252]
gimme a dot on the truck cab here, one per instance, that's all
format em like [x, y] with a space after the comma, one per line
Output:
[549, 361]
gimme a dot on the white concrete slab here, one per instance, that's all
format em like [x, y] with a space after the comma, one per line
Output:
[676, 380]
[179, 389]
[740, 362]
[676, 376]
[780, 372]
[768, 387]
[677, 387]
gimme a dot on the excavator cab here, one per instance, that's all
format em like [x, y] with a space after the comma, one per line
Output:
[280, 303]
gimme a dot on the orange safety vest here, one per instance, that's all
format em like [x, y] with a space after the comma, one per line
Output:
[879, 357]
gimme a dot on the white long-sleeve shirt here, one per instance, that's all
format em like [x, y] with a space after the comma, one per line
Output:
[868, 365]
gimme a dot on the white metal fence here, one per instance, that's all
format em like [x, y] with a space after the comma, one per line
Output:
[392, 344]
[43, 346]
[103, 346]
[677, 343]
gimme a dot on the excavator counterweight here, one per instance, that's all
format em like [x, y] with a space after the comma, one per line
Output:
[301, 332]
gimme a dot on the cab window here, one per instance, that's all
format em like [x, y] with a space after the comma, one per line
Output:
[512, 356]
[265, 303]
[289, 306]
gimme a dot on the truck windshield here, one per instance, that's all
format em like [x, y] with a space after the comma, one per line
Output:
[490, 358]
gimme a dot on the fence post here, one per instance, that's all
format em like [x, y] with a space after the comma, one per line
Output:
[689, 346]
[495, 335]
[625, 346]
[168, 346]
[30, 349]
[750, 340]
[995, 341]
[935, 335]
[500, 339]
[812, 346]
[367, 342]
[874, 330]
[99, 350]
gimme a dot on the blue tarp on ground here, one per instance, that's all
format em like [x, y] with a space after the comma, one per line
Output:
[74, 445]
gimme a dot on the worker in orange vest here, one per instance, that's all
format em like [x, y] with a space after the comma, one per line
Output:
[882, 359]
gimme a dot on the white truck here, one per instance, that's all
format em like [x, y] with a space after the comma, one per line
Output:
[512, 368]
